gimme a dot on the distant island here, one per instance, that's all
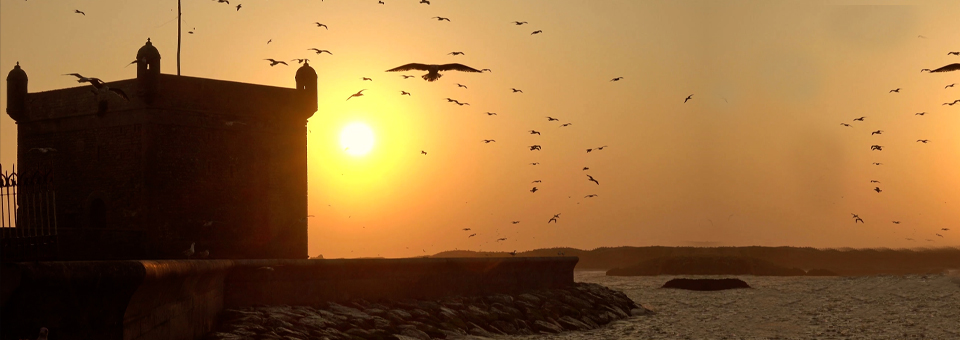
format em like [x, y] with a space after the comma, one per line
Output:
[814, 261]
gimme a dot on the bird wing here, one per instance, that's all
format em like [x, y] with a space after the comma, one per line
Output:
[120, 93]
[948, 68]
[410, 67]
[457, 67]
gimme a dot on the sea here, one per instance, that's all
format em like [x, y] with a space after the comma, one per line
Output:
[865, 307]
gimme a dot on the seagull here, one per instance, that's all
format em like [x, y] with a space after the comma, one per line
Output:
[488, 141]
[441, 18]
[896, 222]
[425, 2]
[536, 32]
[238, 7]
[616, 79]
[874, 181]
[534, 132]
[515, 222]
[875, 163]
[77, 11]
[897, 90]
[534, 147]
[319, 50]
[601, 147]
[359, 93]
[404, 93]
[566, 124]
[100, 86]
[365, 78]
[534, 190]
[590, 195]
[433, 71]
[42, 150]
[845, 124]
[953, 53]
[554, 219]
[924, 141]
[268, 41]
[515, 90]
[518, 23]
[189, 252]
[322, 25]
[939, 235]
[466, 229]
[381, 2]
[877, 189]
[876, 147]
[462, 104]
[534, 163]
[455, 53]
[951, 85]
[945, 229]
[463, 86]
[859, 119]
[857, 218]
[948, 68]
[491, 113]
[274, 62]
[878, 132]
[550, 119]
[191, 31]
[586, 168]
[920, 113]
[537, 181]
[423, 152]
[472, 235]
[588, 150]
[951, 104]
[300, 61]
[501, 239]
[592, 180]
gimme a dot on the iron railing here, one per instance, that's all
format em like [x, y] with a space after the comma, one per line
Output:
[28, 230]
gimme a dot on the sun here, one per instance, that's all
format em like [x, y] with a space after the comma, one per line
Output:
[357, 139]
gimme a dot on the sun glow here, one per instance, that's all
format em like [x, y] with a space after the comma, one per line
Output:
[357, 139]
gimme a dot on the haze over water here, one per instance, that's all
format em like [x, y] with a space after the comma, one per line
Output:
[756, 157]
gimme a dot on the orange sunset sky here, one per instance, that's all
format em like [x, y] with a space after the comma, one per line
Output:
[756, 157]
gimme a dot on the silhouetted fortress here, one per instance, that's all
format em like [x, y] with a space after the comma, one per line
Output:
[186, 159]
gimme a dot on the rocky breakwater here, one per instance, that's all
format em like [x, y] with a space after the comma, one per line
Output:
[582, 306]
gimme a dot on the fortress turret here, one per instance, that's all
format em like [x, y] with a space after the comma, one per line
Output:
[148, 70]
[307, 84]
[17, 92]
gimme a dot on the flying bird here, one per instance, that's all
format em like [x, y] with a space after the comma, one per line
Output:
[466, 229]
[518, 23]
[616, 79]
[924, 141]
[856, 218]
[945, 229]
[99, 86]
[238, 7]
[501, 239]
[876, 147]
[462, 104]
[588, 150]
[845, 124]
[534, 163]
[951, 85]
[319, 50]
[488, 141]
[537, 181]
[441, 18]
[455, 53]
[268, 41]
[406, 76]
[472, 235]
[274, 62]
[536, 32]
[77, 11]
[688, 98]
[590, 195]
[859, 119]
[585, 168]
[554, 219]
[365, 78]
[939, 235]
[358, 94]
[433, 71]
[953, 53]
[877, 189]
[878, 132]
[322, 25]
[566, 124]
[463, 86]
[874, 181]
[423, 152]
[425, 2]
[534, 147]
[897, 90]
[948, 68]
[875, 163]
[381, 2]
[515, 222]
[951, 104]
[920, 113]
[534, 190]
[534, 132]
[404, 93]
[896, 222]
[191, 31]
[550, 119]
[601, 147]
[592, 180]
[491, 113]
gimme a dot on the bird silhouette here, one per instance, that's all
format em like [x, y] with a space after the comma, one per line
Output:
[488, 141]
[877, 189]
[534, 190]
[77, 11]
[515, 222]
[878, 132]
[472, 235]
[516, 90]
[920, 113]
[463, 86]
[859, 119]
[951, 85]
[425, 2]
[537, 181]
[688, 98]
[534, 147]
[501, 239]
[534, 132]
[896, 222]
[268, 41]
[518, 23]
[491, 113]
[534, 163]
[550, 119]
[876, 147]
[191, 31]
[365, 78]
[939, 235]
[275, 62]
[462, 104]
[897, 90]
[238, 7]
[319, 50]
[616, 79]
[100, 88]
[486, 70]
[601, 147]
[381, 2]
[953, 103]
[322, 25]
[406, 76]
[845, 124]
[585, 168]
[358, 94]
[875, 163]
[874, 181]
[554, 219]
[945, 229]
[441, 18]
[466, 229]
[566, 124]
[589, 150]
[590, 195]
[513, 253]
[536, 32]
[433, 71]
[947, 68]
[455, 53]
[953, 53]
[592, 180]
[856, 218]
[924, 141]
[404, 93]
[423, 152]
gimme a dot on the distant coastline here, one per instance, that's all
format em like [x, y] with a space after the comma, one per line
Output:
[844, 261]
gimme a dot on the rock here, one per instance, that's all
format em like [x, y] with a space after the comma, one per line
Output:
[529, 298]
[380, 323]
[641, 311]
[225, 336]
[404, 337]
[480, 332]
[499, 298]
[572, 324]
[415, 333]
[705, 284]
[820, 272]
[315, 322]
[505, 327]
[359, 332]
[544, 326]
[348, 311]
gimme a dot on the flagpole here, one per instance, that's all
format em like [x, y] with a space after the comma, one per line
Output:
[178, 37]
